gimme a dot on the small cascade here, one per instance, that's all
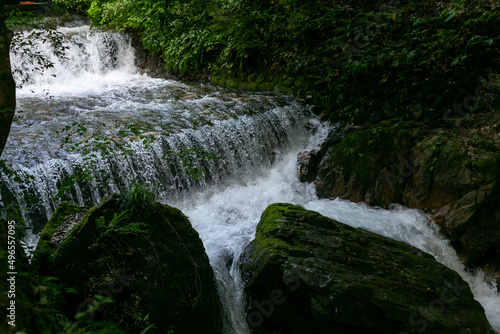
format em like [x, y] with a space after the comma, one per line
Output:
[80, 52]
[241, 147]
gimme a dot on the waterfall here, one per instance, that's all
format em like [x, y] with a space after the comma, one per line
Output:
[239, 145]
[96, 82]
[89, 55]
[227, 217]
[254, 138]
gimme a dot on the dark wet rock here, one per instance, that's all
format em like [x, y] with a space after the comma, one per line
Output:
[307, 273]
[308, 162]
[64, 219]
[368, 164]
[453, 175]
[149, 261]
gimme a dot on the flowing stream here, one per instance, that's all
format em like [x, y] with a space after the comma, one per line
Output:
[249, 145]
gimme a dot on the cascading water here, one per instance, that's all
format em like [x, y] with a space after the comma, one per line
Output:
[242, 131]
[256, 137]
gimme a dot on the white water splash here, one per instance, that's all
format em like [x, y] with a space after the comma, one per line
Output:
[227, 219]
[95, 61]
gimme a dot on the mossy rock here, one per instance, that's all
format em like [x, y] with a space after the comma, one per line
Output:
[306, 273]
[151, 262]
[254, 81]
[60, 224]
[367, 164]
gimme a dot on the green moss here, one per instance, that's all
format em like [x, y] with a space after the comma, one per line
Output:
[63, 210]
[45, 248]
[253, 81]
[271, 220]
[372, 281]
[231, 83]
[363, 153]
[164, 260]
[273, 217]
[483, 144]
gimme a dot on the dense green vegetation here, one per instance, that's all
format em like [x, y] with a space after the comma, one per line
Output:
[423, 60]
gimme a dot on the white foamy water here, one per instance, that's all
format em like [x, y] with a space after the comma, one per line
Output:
[97, 83]
[95, 61]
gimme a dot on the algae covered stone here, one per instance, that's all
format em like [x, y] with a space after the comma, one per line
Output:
[453, 175]
[66, 216]
[149, 261]
[306, 273]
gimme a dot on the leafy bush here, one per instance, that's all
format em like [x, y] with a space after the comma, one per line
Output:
[80, 6]
[359, 60]
[177, 31]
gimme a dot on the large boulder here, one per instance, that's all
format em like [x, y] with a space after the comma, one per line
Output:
[452, 174]
[146, 258]
[306, 273]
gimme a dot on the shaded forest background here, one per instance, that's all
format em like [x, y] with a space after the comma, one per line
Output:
[358, 60]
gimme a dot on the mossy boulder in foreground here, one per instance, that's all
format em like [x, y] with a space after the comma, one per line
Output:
[307, 273]
[149, 261]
